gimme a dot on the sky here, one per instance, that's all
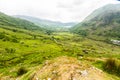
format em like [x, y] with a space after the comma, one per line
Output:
[55, 10]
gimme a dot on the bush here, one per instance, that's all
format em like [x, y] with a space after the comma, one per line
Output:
[6, 38]
[49, 32]
[107, 40]
[2, 35]
[83, 32]
[10, 50]
[21, 71]
[15, 39]
[112, 66]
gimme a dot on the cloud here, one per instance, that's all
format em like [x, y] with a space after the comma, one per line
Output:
[57, 10]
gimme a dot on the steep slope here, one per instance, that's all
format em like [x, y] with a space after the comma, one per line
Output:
[6, 20]
[47, 24]
[104, 21]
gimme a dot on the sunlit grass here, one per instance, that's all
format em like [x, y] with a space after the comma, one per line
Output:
[30, 52]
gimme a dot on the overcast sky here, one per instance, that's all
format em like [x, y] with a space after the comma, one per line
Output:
[56, 10]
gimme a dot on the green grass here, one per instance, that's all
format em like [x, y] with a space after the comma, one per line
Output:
[30, 52]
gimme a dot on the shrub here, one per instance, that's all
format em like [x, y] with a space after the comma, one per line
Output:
[82, 32]
[108, 40]
[2, 35]
[112, 66]
[14, 39]
[14, 30]
[10, 50]
[21, 71]
[6, 38]
[49, 32]
[118, 69]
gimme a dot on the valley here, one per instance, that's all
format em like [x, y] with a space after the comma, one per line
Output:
[36, 49]
[30, 50]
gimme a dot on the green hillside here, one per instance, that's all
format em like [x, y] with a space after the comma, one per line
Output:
[104, 22]
[6, 20]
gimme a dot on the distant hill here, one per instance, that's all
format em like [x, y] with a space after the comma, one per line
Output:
[104, 21]
[10, 21]
[47, 24]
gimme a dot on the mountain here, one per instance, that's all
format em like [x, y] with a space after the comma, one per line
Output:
[47, 24]
[10, 21]
[104, 21]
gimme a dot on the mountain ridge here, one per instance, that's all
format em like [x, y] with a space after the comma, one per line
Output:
[52, 22]
[47, 24]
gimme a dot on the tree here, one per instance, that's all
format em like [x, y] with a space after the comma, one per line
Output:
[49, 32]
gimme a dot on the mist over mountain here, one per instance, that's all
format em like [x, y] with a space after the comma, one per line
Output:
[47, 24]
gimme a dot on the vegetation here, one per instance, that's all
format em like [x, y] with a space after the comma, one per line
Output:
[82, 32]
[112, 66]
[6, 20]
[25, 45]
[32, 49]
[21, 71]
[103, 22]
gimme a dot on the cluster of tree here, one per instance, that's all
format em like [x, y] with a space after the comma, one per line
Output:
[49, 32]
[81, 32]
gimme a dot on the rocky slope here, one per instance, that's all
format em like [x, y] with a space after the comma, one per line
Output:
[68, 68]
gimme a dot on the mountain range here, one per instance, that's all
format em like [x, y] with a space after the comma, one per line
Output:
[47, 24]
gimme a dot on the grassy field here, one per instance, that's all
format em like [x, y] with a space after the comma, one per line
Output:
[29, 50]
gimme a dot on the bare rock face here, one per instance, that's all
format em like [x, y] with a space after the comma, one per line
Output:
[68, 68]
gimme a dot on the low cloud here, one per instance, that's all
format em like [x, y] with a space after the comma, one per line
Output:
[57, 10]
